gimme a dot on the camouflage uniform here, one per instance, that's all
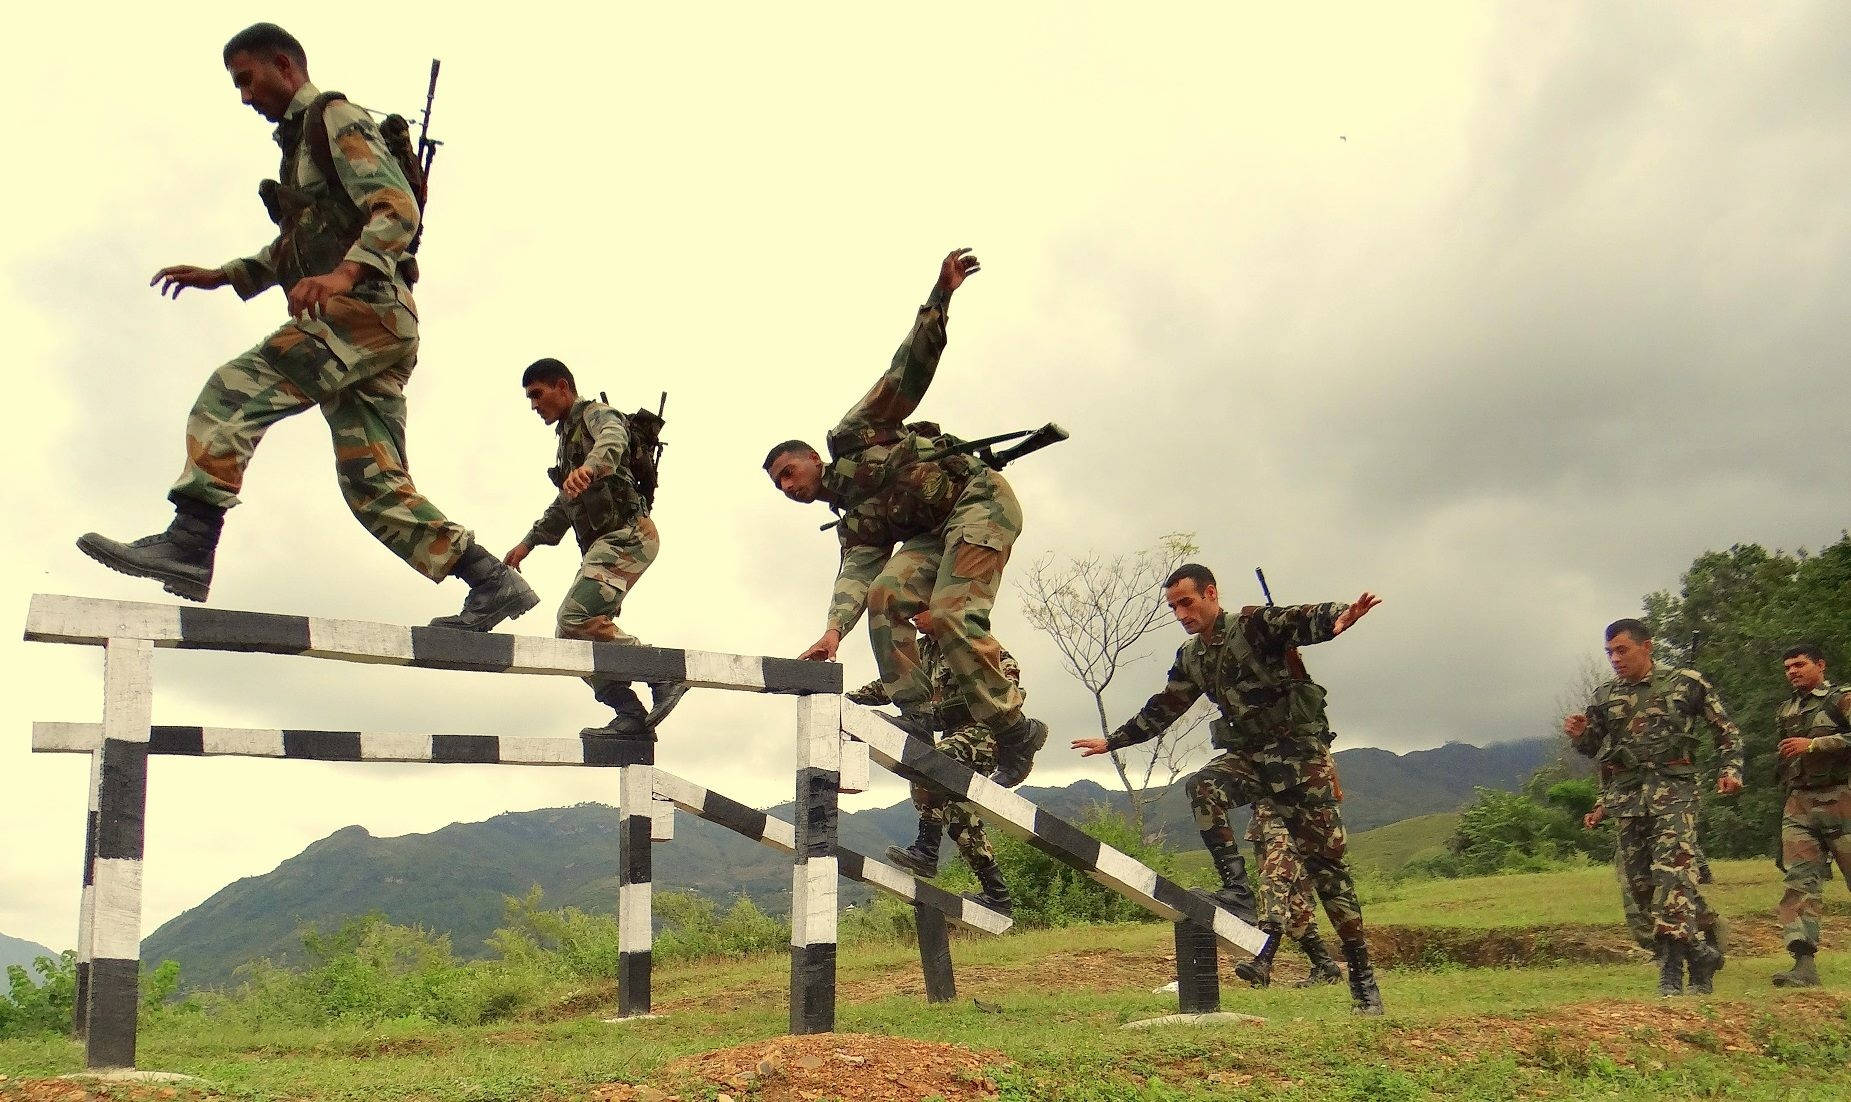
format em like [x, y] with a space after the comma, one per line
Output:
[955, 522]
[1276, 745]
[609, 518]
[1643, 735]
[1818, 809]
[970, 743]
[1285, 890]
[353, 361]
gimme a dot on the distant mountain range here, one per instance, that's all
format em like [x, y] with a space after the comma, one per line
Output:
[21, 952]
[453, 880]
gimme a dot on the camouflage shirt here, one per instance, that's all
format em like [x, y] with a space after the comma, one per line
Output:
[1272, 717]
[370, 220]
[939, 672]
[1644, 736]
[1822, 715]
[591, 435]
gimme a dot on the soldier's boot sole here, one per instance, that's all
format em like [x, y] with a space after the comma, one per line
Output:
[623, 727]
[1015, 760]
[1255, 973]
[905, 858]
[121, 558]
[1003, 906]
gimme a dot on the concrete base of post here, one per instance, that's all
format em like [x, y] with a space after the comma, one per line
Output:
[1219, 1017]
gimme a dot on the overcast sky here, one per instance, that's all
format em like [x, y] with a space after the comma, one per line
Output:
[1504, 313]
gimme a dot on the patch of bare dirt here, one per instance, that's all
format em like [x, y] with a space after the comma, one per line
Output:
[69, 1090]
[824, 1066]
[1539, 946]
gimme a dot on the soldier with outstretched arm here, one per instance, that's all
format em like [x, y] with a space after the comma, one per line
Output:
[921, 530]
[341, 257]
[1641, 729]
[1275, 748]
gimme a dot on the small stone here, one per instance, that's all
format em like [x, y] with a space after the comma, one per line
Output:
[767, 1069]
[722, 1098]
[809, 1063]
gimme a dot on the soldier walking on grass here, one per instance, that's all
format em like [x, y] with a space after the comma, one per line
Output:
[1286, 901]
[969, 742]
[1641, 727]
[601, 502]
[1815, 772]
[1275, 749]
[347, 214]
[954, 520]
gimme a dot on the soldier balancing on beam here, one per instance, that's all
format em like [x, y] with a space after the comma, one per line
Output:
[1275, 748]
[346, 214]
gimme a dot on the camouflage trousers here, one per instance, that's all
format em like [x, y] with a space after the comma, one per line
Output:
[361, 392]
[610, 567]
[975, 746]
[1657, 865]
[1812, 832]
[1310, 814]
[954, 575]
[1285, 896]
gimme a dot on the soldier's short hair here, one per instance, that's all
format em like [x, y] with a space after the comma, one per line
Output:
[1201, 575]
[1635, 628]
[1805, 650]
[266, 38]
[788, 446]
[548, 371]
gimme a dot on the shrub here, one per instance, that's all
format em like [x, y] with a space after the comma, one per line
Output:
[29, 1008]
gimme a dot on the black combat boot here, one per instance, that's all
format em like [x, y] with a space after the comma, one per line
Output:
[1704, 961]
[1016, 747]
[496, 593]
[920, 858]
[1323, 969]
[1365, 997]
[1805, 971]
[179, 558]
[1258, 972]
[1671, 953]
[995, 893]
[663, 696]
[630, 721]
[1235, 893]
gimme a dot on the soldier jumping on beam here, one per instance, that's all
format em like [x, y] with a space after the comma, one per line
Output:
[955, 521]
[605, 502]
[346, 213]
[1275, 748]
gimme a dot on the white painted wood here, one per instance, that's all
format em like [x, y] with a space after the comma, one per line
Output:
[733, 671]
[117, 919]
[521, 750]
[376, 746]
[634, 932]
[813, 907]
[537, 654]
[54, 618]
[854, 774]
[67, 738]
[128, 689]
[819, 731]
[359, 641]
[242, 742]
[661, 821]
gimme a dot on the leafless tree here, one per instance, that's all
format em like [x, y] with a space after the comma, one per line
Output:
[1097, 610]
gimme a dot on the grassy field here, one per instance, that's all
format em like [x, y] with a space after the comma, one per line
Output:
[1039, 1017]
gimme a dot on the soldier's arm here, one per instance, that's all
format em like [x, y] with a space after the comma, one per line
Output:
[1728, 736]
[252, 275]
[552, 525]
[896, 394]
[610, 440]
[372, 179]
[1836, 740]
[1299, 625]
[860, 566]
[1160, 711]
[1593, 729]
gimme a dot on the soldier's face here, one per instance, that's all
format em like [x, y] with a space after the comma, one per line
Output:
[1630, 658]
[1804, 674]
[551, 401]
[265, 83]
[1196, 610]
[798, 475]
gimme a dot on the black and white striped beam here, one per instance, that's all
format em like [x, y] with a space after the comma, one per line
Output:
[86, 620]
[357, 746]
[1052, 835]
[113, 939]
[635, 873]
[813, 876]
[777, 834]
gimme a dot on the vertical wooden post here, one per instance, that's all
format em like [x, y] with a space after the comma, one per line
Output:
[86, 907]
[636, 788]
[121, 822]
[1198, 978]
[941, 984]
[813, 878]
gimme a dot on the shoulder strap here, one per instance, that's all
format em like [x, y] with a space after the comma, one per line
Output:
[1837, 714]
[315, 134]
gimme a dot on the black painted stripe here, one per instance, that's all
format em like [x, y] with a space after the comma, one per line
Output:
[1172, 894]
[451, 649]
[80, 1007]
[122, 801]
[90, 819]
[626, 662]
[816, 812]
[190, 741]
[1082, 848]
[793, 675]
[634, 864]
[734, 816]
[115, 995]
[619, 751]
[813, 988]
[633, 983]
[251, 632]
[466, 749]
[938, 899]
[322, 745]
[849, 864]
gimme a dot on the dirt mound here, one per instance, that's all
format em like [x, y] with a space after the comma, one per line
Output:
[1519, 947]
[828, 1065]
[69, 1090]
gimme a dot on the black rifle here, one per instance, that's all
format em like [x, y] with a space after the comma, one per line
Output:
[1294, 662]
[1033, 440]
[427, 154]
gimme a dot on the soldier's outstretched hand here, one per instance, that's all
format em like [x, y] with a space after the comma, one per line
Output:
[1575, 726]
[1357, 610]
[824, 649]
[958, 266]
[175, 278]
[1090, 747]
[577, 482]
[517, 555]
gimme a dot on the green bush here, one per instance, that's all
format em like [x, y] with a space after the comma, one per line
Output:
[30, 1008]
[574, 943]
[1507, 832]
